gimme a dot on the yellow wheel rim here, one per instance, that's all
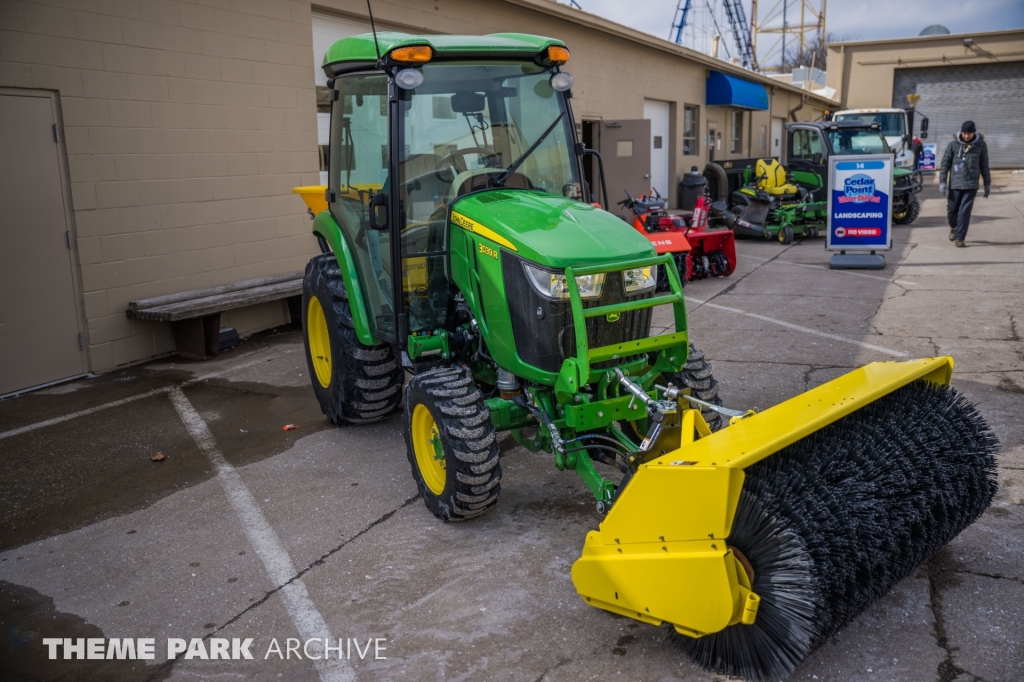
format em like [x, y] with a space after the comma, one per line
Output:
[319, 341]
[426, 445]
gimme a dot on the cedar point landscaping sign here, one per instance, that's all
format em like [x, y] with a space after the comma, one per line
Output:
[860, 203]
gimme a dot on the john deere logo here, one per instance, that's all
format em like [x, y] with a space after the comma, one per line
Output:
[612, 317]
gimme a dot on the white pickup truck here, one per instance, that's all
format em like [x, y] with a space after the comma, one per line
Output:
[897, 128]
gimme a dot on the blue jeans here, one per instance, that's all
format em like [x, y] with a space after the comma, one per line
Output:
[958, 208]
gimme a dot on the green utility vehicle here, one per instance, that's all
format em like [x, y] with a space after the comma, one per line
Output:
[521, 307]
[782, 203]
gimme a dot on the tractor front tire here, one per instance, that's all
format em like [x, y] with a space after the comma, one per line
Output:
[785, 235]
[354, 383]
[698, 376]
[908, 215]
[451, 444]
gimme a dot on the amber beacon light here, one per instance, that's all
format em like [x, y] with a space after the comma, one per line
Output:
[414, 54]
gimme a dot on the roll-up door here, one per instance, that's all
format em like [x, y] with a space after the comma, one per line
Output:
[991, 95]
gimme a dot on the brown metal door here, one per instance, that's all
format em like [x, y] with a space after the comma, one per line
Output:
[39, 321]
[625, 147]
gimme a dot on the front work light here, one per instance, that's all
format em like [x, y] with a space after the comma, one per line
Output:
[640, 279]
[414, 54]
[554, 286]
[408, 79]
[561, 81]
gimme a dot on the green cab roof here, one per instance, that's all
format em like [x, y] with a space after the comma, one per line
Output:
[361, 48]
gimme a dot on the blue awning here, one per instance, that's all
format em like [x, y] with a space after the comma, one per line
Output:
[729, 91]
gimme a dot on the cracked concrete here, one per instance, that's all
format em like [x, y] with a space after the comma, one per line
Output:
[96, 540]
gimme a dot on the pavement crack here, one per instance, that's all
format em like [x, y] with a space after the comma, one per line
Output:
[561, 662]
[980, 574]
[947, 671]
[1014, 336]
[307, 569]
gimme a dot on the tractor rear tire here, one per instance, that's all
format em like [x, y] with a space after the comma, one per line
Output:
[908, 216]
[451, 444]
[698, 376]
[354, 383]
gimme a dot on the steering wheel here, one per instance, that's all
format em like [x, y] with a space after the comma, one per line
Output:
[457, 163]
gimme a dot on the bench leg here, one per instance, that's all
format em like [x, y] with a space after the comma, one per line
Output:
[197, 338]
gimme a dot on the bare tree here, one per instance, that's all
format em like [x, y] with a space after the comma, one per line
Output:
[813, 52]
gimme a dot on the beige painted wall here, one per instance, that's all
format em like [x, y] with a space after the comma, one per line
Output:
[863, 72]
[187, 124]
[186, 128]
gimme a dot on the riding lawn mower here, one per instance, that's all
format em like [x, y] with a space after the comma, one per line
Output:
[470, 285]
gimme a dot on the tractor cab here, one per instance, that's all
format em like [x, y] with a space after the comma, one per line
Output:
[424, 127]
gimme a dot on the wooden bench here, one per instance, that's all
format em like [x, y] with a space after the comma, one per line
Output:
[195, 315]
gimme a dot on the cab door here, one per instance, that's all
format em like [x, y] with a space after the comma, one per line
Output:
[358, 177]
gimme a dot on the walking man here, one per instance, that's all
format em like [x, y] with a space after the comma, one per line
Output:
[966, 159]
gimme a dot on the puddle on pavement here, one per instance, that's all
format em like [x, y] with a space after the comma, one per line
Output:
[26, 617]
[67, 476]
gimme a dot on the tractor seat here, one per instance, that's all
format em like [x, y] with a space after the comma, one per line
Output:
[772, 178]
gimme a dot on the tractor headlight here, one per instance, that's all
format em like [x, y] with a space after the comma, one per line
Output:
[640, 279]
[553, 284]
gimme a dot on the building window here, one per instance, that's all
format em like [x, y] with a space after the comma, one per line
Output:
[690, 117]
[736, 133]
[764, 140]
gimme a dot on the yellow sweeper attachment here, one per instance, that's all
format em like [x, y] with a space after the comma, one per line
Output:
[758, 542]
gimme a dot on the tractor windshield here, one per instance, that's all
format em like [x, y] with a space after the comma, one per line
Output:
[467, 124]
[857, 141]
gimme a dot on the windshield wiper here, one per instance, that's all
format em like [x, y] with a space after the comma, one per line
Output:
[503, 178]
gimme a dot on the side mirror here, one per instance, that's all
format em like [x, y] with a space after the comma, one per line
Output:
[816, 159]
[923, 135]
[924, 125]
[379, 211]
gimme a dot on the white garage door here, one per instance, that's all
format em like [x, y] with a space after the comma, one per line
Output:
[658, 113]
[991, 95]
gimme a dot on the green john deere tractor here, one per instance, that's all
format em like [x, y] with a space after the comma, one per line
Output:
[781, 203]
[461, 250]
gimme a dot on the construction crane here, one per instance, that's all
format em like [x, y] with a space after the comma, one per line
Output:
[682, 10]
[741, 32]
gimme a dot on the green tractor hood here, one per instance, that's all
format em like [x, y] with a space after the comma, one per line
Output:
[551, 230]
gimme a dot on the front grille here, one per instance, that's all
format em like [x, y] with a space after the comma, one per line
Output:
[546, 341]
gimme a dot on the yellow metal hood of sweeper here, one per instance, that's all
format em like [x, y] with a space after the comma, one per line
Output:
[661, 553]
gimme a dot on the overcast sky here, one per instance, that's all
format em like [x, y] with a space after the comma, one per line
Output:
[858, 19]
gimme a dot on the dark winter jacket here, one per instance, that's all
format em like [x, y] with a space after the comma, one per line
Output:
[965, 161]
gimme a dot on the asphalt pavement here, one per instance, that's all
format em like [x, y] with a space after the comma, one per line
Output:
[244, 530]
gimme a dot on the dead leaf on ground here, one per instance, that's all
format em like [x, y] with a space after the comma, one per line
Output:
[289, 427]
[158, 457]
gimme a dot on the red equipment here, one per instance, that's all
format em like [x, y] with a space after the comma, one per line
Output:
[699, 251]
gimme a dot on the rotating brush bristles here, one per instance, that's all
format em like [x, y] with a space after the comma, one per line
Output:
[834, 521]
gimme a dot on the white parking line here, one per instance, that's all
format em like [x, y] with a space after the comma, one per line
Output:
[81, 413]
[264, 539]
[123, 401]
[817, 267]
[806, 330]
